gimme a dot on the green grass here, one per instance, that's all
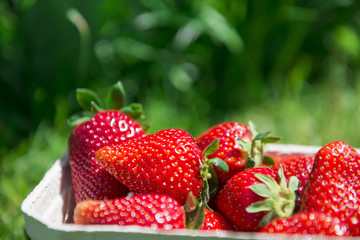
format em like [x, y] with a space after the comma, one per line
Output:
[21, 170]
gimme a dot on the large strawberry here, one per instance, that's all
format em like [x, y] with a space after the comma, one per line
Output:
[150, 210]
[333, 186]
[107, 127]
[229, 150]
[166, 162]
[307, 223]
[253, 197]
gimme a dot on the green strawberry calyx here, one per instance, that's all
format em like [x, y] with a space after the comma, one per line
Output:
[194, 208]
[91, 103]
[255, 148]
[194, 212]
[208, 174]
[279, 198]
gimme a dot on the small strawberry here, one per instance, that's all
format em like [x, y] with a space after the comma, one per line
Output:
[107, 127]
[229, 150]
[334, 182]
[252, 198]
[150, 210]
[298, 165]
[307, 223]
[214, 221]
[166, 162]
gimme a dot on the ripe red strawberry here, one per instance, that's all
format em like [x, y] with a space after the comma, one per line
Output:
[89, 179]
[307, 223]
[229, 150]
[214, 221]
[166, 162]
[253, 197]
[151, 210]
[333, 186]
[298, 165]
[92, 132]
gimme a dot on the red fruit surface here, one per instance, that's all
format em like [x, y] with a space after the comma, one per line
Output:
[298, 165]
[89, 179]
[307, 223]
[214, 221]
[333, 184]
[229, 151]
[280, 157]
[166, 162]
[236, 196]
[151, 210]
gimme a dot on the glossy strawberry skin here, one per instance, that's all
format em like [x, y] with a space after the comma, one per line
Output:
[214, 221]
[150, 210]
[229, 151]
[166, 162]
[236, 196]
[298, 165]
[333, 184]
[307, 223]
[89, 179]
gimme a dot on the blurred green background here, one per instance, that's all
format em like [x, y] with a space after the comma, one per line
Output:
[292, 67]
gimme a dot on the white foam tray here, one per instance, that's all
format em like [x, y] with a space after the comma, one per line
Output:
[49, 207]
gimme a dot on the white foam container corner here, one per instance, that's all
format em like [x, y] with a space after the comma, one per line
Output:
[49, 207]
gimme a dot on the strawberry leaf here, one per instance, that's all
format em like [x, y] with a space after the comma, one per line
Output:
[283, 183]
[213, 182]
[134, 110]
[294, 183]
[262, 190]
[267, 218]
[269, 181]
[271, 139]
[95, 107]
[219, 163]
[266, 205]
[116, 96]
[260, 136]
[194, 212]
[85, 97]
[191, 203]
[268, 160]
[212, 147]
[250, 163]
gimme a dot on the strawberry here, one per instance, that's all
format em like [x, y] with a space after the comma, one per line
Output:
[166, 162]
[89, 179]
[214, 221]
[229, 150]
[295, 164]
[107, 127]
[307, 223]
[334, 182]
[150, 210]
[252, 198]
[279, 157]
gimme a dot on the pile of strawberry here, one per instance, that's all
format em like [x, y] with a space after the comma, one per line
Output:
[220, 180]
